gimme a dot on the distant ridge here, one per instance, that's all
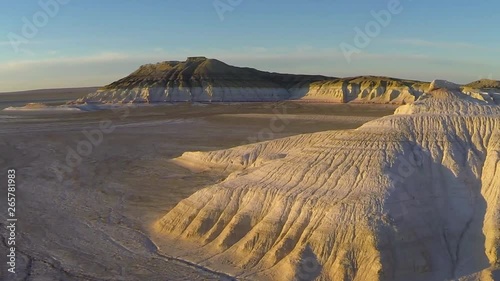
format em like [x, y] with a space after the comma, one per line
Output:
[200, 79]
[81, 90]
[485, 84]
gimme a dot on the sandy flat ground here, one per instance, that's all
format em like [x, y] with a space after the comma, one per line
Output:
[91, 222]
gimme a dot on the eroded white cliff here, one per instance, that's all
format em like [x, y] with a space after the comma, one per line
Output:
[413, 196]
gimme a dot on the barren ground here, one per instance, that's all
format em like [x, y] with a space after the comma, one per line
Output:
[93, 223]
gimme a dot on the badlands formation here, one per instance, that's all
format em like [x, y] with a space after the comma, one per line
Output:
[199, 79]
[412, 196]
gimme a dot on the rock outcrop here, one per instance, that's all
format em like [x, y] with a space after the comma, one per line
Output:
[413, 196]
[365, 89]
[485, 89]
[199, 79]
[484, 84]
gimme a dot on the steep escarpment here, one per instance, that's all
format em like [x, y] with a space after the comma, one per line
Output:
[413, 196]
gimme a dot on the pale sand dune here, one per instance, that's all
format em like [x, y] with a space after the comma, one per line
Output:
[413, 196]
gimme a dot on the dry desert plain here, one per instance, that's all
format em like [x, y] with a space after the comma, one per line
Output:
[92, 219]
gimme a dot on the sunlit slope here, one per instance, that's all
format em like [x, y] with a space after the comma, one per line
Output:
[413, 196]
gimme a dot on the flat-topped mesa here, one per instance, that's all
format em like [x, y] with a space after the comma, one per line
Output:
[201, 79]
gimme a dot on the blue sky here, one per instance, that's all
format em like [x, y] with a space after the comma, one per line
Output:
[90, 42]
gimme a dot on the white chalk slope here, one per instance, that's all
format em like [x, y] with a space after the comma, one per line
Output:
[413, 196]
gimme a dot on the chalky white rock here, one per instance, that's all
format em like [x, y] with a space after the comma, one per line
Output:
[413, 196]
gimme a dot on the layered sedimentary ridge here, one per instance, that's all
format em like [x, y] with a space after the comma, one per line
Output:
[366, 89]
[199, 79]
[413, 196]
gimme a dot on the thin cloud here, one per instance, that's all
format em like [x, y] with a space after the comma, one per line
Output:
[393, 56]
[298, 56]
[98, 58]
[27, 42]
[103, 68]
[438, 44]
